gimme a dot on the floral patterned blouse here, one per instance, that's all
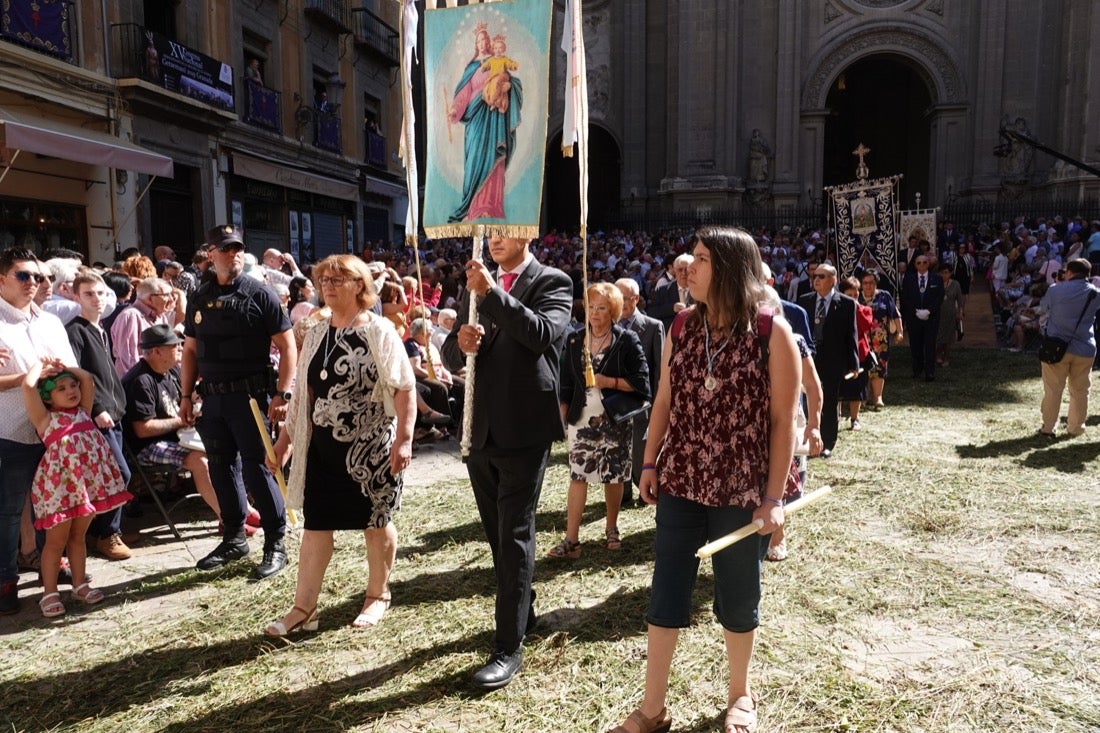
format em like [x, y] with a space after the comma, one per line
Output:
[715, 451]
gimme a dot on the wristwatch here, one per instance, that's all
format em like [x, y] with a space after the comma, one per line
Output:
[285, 395]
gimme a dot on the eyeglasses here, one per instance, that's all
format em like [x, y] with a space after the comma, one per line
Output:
[162, 295]
[336, 281]
[24, 276]
[819, 277]
[922, 262]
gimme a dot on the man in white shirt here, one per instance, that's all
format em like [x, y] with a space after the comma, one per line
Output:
[273, 267]
[30, 335]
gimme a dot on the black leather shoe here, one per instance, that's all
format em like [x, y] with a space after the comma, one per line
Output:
[499, 670]
[227, 551]
[274, 561]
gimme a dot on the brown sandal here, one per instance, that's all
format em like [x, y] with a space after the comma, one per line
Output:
[613, 540]
[661, 724]
[567, 549]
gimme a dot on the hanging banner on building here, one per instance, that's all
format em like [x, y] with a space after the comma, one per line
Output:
[865, 225]
[487, 69]
[177, 68]
[44, 25]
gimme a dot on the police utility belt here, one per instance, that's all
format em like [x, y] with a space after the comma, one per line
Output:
[258, 383]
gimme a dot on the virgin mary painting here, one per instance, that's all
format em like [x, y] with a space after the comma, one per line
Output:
[490, 136]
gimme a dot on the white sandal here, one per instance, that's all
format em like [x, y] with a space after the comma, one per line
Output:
[90, 596]
[54, 608]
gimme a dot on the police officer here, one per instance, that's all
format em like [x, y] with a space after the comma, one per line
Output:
[232, 322]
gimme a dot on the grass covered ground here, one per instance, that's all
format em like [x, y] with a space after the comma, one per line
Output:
[951, 583]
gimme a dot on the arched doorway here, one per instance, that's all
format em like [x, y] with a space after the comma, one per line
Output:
[561, 197]
[882, 102]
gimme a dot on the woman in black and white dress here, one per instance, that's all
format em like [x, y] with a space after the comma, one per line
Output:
[350, 424]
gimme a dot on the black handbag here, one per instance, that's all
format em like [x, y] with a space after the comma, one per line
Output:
[622, 406]
[1051, 348]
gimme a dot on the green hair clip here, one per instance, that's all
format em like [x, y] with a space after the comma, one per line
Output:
[48, 385]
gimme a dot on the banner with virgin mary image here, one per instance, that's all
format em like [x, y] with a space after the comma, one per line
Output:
[487, 69]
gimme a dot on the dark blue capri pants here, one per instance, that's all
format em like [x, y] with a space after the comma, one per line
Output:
[683, 527]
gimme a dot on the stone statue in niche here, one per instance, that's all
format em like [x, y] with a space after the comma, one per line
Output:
[759, 154]
[1016, 166]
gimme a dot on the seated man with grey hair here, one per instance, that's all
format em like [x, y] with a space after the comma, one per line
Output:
[154, 303]
[446, 321]
[62, 303]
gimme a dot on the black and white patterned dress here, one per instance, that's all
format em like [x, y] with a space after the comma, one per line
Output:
[599, 448]
[347, 479]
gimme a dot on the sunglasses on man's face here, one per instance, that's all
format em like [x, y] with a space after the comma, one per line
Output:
[24, 276]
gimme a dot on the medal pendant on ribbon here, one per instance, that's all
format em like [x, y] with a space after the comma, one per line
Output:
[324, 375]
[198, 317]
[710, 383]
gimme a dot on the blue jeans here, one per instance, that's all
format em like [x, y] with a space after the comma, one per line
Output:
[228, 430]
[110, 523]
[20, 463]
[682, 528]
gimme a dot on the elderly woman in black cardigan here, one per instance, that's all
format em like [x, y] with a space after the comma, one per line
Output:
[599, 446]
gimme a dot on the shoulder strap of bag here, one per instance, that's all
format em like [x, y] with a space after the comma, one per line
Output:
[677, 328]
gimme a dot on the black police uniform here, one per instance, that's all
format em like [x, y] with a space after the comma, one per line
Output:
[232, 326]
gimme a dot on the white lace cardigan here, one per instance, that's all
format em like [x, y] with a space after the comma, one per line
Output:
[394, 373]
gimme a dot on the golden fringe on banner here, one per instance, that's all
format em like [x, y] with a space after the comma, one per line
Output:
[516, 231]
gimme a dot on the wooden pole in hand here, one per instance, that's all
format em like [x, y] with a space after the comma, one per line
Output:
[752, 528]
[266, 437]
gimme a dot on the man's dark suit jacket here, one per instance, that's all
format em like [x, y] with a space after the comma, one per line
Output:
[652, 334]
[518, 364]
[660, 306]
[836, 352]
[912, 298]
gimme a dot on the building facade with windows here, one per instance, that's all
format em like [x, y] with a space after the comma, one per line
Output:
[168, 116]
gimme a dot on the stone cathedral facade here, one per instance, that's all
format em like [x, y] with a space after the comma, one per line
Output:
[758, 103]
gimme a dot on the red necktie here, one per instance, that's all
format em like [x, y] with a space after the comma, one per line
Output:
[508, 279]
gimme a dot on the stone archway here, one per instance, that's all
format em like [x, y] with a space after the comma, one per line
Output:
[932, 63]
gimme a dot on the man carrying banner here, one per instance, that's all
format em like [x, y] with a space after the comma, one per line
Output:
[523, 313]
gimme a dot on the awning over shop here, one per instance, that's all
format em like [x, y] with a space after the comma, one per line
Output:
[68, 142]
[262, 170]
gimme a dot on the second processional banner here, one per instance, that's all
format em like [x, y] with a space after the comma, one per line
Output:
[487, 69]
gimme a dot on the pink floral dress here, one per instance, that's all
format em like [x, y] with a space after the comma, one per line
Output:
[78, 475]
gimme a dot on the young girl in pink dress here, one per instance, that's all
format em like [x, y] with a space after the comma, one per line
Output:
[77, 478]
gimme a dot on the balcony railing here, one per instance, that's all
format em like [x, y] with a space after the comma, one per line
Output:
[333, 12]
[263, 106]
[326, 131]
[375, 35]
[376, 149]
[138, 52]
[48, 28]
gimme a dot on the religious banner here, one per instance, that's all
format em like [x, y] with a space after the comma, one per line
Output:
[45, 25]
[919, 223]
[487, 69]
[864, 218]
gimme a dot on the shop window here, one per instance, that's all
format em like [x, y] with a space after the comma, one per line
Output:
[41, 226]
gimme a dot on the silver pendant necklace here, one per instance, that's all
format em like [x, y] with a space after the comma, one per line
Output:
[711, 382]
[329, 351]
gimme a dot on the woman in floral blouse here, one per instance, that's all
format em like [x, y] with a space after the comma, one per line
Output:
[728, 408]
